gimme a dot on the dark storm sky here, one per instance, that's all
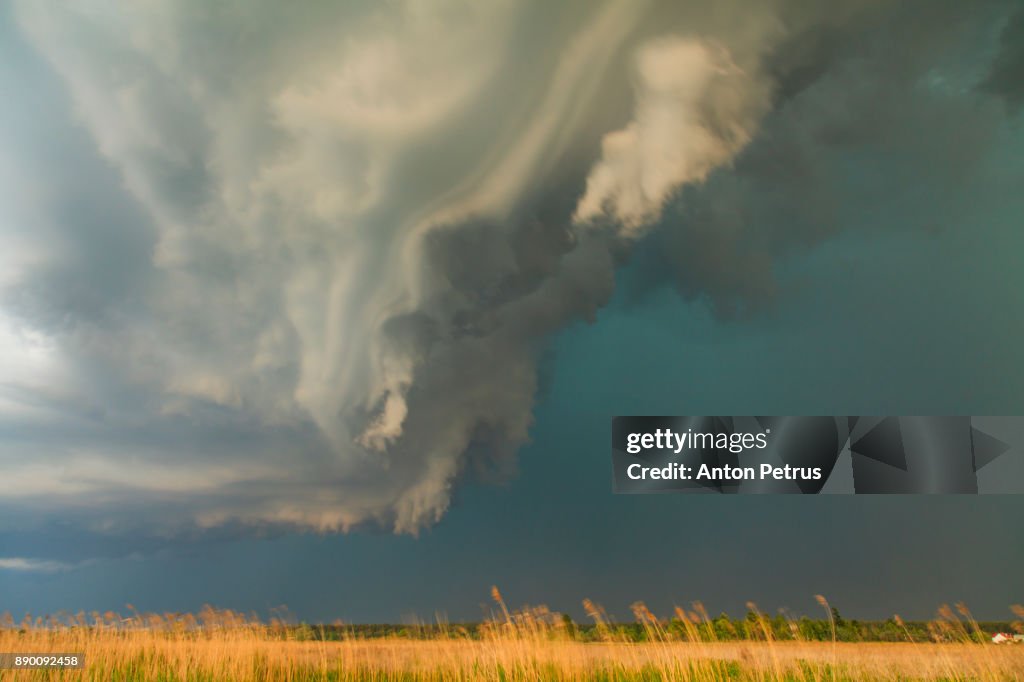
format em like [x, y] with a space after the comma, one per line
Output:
[198, 225]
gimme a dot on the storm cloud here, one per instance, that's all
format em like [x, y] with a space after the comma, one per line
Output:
[270, 267]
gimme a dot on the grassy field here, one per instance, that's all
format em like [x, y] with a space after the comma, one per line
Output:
[530, 644]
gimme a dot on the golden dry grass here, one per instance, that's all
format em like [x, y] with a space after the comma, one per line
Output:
[524, 645]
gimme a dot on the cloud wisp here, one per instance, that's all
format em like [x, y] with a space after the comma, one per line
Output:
[24, 565]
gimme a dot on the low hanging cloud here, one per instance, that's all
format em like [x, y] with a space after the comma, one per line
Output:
[342, 236]
[24, 565]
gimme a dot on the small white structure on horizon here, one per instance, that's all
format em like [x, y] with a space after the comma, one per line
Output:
[1004, 638]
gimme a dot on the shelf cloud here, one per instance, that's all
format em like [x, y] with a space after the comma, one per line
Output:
[276, 268]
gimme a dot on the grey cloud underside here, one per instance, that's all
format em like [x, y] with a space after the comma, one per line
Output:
[304, 264]
[875, 122]
[1006, 77]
